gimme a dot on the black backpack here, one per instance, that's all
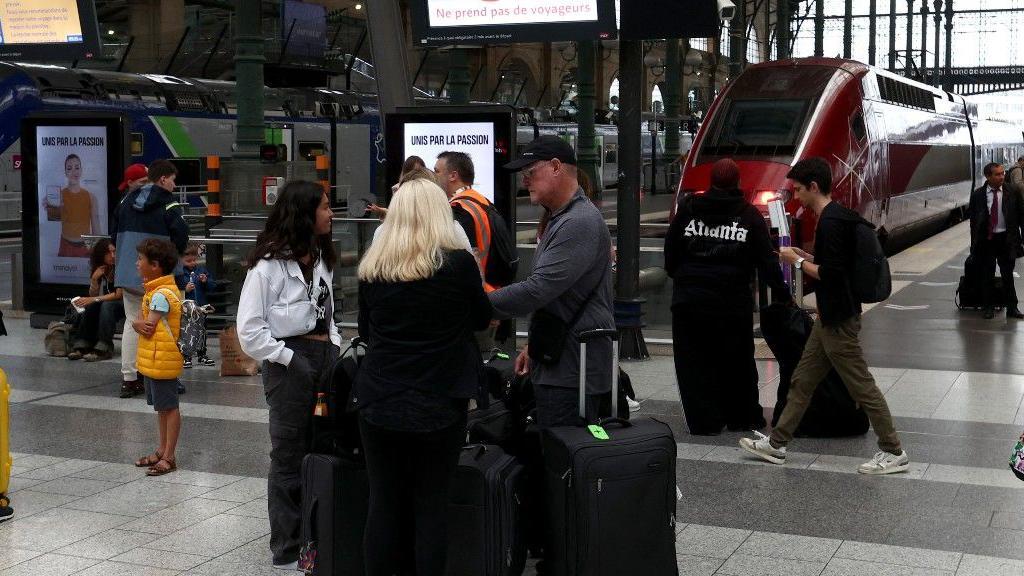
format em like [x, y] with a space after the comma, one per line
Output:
[502, 257]
[871, 280]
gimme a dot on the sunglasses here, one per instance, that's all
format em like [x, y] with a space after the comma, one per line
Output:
[529, 173]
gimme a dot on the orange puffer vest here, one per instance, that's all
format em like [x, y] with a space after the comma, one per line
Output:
[158, 356]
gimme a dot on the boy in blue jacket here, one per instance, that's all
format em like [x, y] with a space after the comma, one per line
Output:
[196, 282]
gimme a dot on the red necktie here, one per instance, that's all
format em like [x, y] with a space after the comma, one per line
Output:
[993, 215]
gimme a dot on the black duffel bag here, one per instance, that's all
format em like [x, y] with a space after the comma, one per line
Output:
[832, 412]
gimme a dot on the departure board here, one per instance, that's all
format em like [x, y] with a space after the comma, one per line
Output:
[47, 29]
[39, 22]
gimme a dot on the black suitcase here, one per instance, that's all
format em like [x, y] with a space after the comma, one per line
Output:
[969, 292]
[335, 503]
[485, 528]
[335, 487]
[832, 412]
[611, 503]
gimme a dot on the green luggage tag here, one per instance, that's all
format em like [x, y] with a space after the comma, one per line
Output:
[502, 356]
[598, 432]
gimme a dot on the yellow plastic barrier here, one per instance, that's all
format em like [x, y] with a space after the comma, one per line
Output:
[5, 433]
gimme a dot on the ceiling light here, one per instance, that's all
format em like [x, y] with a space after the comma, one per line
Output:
[110, 32]
[359, 6]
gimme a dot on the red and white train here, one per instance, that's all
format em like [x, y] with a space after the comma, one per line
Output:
[903, 154]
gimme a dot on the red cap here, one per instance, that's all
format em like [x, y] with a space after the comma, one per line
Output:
[725, 174]
[133, 172]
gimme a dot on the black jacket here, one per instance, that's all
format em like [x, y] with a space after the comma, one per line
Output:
[420, 334]
[835, 253]
[1013, 211]
[149, 212]
[713, 246]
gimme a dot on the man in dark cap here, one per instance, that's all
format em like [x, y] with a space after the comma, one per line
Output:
[569, 289]
[713, 247]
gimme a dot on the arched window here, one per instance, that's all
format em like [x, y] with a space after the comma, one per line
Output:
[613, 95]
[753, 46]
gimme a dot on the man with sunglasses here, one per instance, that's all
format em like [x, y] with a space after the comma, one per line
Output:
[569, 289]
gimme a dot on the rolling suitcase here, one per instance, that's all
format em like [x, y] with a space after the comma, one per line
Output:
[335, 503]
[485, 528]
[832, 412]
[611, 490]
[335, 486]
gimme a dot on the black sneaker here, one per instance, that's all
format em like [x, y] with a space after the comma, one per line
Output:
[188, 362]
[205, 361]
[130, 388]
[6, 512]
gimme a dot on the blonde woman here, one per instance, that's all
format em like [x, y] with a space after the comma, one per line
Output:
[420, 300]
[420, 173]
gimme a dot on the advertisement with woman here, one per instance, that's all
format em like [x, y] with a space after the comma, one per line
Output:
[72, 196]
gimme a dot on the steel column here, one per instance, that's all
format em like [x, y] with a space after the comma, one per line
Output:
[249, 60]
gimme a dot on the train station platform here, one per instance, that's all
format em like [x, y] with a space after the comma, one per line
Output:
[953, 380]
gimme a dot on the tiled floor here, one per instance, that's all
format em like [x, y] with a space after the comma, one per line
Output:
[81, 508]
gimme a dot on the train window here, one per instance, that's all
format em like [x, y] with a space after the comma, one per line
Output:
[189, 172]
[857, 124]
[310, 150]
[611, 154]
[135, 144]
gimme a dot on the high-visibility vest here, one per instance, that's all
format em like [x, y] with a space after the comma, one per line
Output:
[481, 226]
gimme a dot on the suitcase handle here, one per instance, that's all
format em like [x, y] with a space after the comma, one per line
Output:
[585, 337]
[479, 448]
[588, 335]
[615, 420]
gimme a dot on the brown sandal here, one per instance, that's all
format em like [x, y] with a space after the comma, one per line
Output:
[149, 461]
[164, 466]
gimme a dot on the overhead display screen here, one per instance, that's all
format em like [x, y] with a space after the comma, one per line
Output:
[48, 29]
[439, 22]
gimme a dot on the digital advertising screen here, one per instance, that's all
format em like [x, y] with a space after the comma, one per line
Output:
[72, 198]
[428, 139]
[485, 132]
[71, 167]
[443, 22]
[652, 19]
[48, 29]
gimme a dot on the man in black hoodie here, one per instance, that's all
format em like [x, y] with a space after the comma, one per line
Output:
[715, 243]
[834, 339]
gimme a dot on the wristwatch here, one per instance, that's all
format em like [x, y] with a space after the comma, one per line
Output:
[799, 264]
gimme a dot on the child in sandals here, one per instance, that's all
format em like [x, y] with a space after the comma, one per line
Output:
[159, 360]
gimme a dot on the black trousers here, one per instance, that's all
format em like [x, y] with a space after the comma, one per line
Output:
[990, 253]
[715, 370]
[410, 474]
[96, 326]
[291, 395]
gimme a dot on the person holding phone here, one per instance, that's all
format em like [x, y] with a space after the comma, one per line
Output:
[100, 311]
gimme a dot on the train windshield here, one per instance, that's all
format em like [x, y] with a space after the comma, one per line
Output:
[758, 127]
[766, 112]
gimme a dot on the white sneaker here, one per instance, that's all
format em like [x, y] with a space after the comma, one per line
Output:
[886, 463]
[634, 406]
[762, 448]
[288, 566]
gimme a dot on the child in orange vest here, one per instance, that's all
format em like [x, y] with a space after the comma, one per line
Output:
[159, 361]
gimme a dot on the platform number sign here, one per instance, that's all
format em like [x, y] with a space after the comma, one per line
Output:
[16, 159]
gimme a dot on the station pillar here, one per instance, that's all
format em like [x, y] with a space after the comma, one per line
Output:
[458, 82]
[586, 142]
[673, 79]
[628, 303]
[249, 60]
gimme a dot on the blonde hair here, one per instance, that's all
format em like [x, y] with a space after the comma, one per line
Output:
[418, 173]
[411, 246]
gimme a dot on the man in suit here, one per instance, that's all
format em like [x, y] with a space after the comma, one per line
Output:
[996, 215]
[1015, 176]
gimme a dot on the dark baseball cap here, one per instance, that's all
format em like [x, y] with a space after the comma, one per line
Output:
[544, 148]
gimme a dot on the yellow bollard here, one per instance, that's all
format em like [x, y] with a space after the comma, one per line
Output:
[5, 433]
